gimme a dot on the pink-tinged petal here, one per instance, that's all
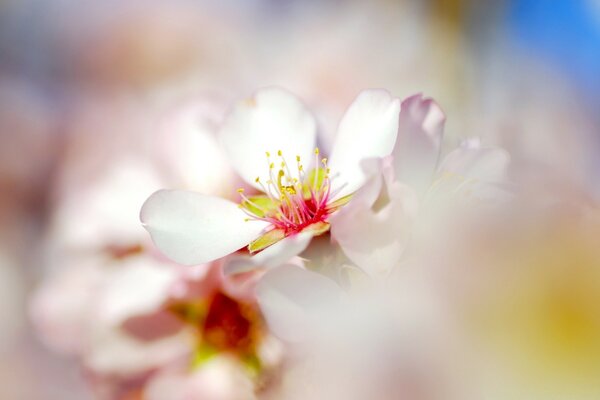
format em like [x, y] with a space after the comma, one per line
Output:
[472, 174]
[269, 121]
[417, 149]
[139, 287]
[477, 163]
[221, 378]
[373, 228]
[293, 300]
[112, 350]
[191, 228]
[368, 129]
[60, 307]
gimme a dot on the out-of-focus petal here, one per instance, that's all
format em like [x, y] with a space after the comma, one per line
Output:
[293, 300]
[477, 163]
[112, 350]
[269, 121]
[368, 129]
[219, 379]
[473, 172]
[187, 144]
[60, 307]
[140, 286]
[417, 149]
[192, 228]
[373, 228]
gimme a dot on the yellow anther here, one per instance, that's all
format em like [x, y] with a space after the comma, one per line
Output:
[282, 164]
[268, 154]
[240, 190]
[316, 150]
[298, 158]
[272, 165]
[279, 153]
[324, 161]
[257, 180]
[247, 219]
[300, 168]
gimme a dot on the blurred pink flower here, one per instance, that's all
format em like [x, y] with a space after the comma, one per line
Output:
[111, 300]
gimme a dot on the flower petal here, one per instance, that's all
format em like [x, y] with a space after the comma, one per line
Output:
[294, 300]
[282, 251]
[473, 174]
[368, 129]
[477, 163]
[269, 121]
[192, 228]
[373, 228]
[418, 146]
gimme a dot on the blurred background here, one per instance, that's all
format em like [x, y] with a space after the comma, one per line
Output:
[96, 94]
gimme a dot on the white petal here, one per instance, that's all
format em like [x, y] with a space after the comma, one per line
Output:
[293, 300]
[373, 228]
[270, 121]
[418, 146]
[368, 129]
[282, 252]
[192, 228]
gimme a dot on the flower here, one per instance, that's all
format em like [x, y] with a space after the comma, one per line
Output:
[295, 201]
[414, 184]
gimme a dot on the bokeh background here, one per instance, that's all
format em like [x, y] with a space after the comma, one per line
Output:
[87, 84]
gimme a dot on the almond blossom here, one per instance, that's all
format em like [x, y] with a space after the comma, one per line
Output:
[415, 190]
[271, 141]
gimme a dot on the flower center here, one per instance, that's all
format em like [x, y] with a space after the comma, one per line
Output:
[292, 201]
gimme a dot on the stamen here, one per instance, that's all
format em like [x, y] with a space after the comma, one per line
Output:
[298, 202]
[245, 199]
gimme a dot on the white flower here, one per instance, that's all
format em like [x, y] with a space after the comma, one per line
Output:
[270, 139]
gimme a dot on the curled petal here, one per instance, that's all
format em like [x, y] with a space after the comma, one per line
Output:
[418, 146]
[192, 228]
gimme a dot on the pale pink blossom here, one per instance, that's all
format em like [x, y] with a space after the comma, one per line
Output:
[270, 139]
[411, 190]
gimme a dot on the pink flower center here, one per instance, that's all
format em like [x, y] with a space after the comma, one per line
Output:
[292, 201]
